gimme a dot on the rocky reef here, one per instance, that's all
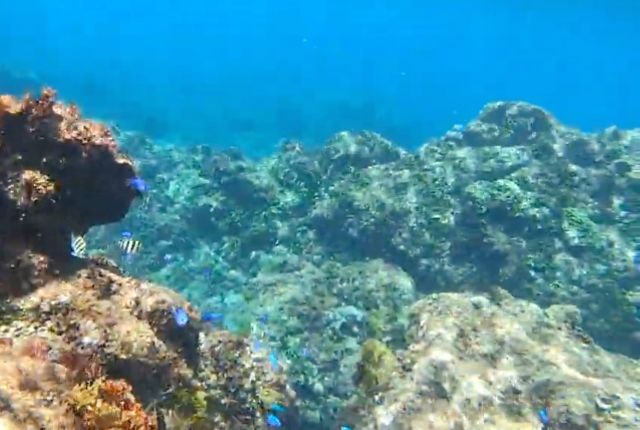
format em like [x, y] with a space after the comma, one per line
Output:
[59, 175]
[493, 362]
[315, 252]
[470, 284]
[81, 345]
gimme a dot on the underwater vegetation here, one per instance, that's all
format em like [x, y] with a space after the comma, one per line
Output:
[313, 254]
[475, 283]
[81, 345]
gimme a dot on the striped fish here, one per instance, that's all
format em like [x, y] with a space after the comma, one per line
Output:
[78, 246]
[129, 246]
[106, 263]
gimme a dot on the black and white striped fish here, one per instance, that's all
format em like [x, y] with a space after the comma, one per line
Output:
[78, 246]
[129, 246]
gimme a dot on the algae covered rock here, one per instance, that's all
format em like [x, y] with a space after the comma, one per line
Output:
[99, 324]
[376, 367]
[315, 251]
[59, 174]
[81, 345]
[474, 363]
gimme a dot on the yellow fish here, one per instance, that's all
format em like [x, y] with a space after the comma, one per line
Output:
[129, 246]
[78, 246]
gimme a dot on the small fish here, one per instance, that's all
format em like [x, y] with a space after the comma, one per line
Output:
[208, 273]
[636, 260]
[129, 246]
[263, 319]
[167, 257]
[277, 407]
[138, 184]
[543, 416]
[78, 246]
[212, 317]
[273, 421]
[126, 234]
[345, 428]
[106, 262]
[306, 352]
[180, 316]
[273, 359]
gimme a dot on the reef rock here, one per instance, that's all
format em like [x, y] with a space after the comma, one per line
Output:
[513, 198]
[99, 327]
[492, 363]
[81, 345]
[59, 174]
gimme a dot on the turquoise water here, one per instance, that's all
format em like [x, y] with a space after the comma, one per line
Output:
[312, 254]
[247, 73]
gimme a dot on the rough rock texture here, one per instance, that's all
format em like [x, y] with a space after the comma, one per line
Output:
[476, 362]
[101, 324]
[81, 345]
[513, 198]
[59, 174]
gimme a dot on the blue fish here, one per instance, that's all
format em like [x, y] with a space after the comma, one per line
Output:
[277, 407]
[306, 352]
[211, 317]
[273, 359]
[345, 428]
[543, 416]
[636, 260]
[126, 234]
[273, 421]
[180, 316]
[138, 184]
[262, 319]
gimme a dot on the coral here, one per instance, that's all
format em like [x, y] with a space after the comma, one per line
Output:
[477, 363]
[376, 367]
[99, 325]
[81, 344]
[108, 404]
[59, 174]
[333, 244]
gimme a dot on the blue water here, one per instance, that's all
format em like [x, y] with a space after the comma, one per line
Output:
[247, 73]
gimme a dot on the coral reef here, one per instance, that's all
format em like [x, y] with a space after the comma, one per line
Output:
[331, 245]
[59, 174]
[493, 362]
[81, 345]
[314, 261]
[106, 404]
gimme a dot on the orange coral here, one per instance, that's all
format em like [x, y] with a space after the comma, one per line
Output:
[35, 187]
[59, 121]
[36, 348]
[83, 367]
[39, 108]
[107, 404]
[8, 104]
[6, 342]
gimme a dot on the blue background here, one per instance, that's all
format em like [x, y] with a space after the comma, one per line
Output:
[248, 73]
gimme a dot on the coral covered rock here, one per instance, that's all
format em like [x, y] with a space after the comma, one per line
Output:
[59, 174]
[81, 345]
[105, 404]
[67, 336]
[329, 246]
[473, 363]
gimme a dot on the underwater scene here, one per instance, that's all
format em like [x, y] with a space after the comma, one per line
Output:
[265, 215]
